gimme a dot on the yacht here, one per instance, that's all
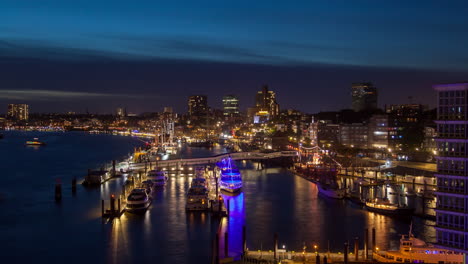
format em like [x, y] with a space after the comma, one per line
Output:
[197, 196]
[35, 142]
[230, 179]
[138, 201]
[413, 250]
[387, 208]
[158, 177]
[148, 185]
[331, 191]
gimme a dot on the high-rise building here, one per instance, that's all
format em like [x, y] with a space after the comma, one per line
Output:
[230, 106]
[452, 167]
[198, 105]
[121, 112]
[364, 96]
[378, 131]
[18, 111]
[405, 125]
[265, 102]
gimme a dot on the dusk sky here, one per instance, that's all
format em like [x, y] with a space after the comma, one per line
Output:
[74, 55]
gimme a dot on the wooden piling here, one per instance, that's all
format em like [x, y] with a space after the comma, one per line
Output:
[317, 259]
[366, 244]
[217, 249]
[113, 168]
[325, 260]
[356, 249]
[228, 206]
[244, 240]
[226, 245]
[345, 253]
[112, 204]
[118, 206]
[373, 240]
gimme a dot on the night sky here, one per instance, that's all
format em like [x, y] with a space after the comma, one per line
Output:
[62, 55]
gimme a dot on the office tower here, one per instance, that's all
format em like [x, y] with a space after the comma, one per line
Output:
[121, 112]
[452, 161]
[198, 105]
[364, 96]
[18, 111]
[265, 102]
[405, 126]
[230, 106]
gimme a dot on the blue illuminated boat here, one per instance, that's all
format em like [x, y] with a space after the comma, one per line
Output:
[230, 179]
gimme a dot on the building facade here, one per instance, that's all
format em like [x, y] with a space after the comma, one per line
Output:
[18, 112]
[405, 126]
[452, 172]
[198, 105]
[265, 103]
[230, 106]
[364, 96]
[378, 132]
[354, 135]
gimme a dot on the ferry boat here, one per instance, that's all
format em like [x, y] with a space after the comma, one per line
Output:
[138, 201]
[197, 196]
[387, 208]
[230, 179]
[331, 191]
[35, 142]
[413, 250]
[158, 177]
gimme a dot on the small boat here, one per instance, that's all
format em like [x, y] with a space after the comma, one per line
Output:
[330, 191]
[230, 179]
[35, 142]
[148, 185]
[197, 196]
[387, 208]
[158, 177]
[138, 201]
[413, 250]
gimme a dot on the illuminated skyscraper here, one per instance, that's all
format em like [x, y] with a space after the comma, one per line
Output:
[230, 105]
[18, 111]
[121, 112]
[265, 102]
[452, 171]
[364, 96]
[198, 105]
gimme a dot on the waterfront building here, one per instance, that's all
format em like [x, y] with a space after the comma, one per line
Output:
[18, 112]
[452, 171]
[198, 105]
[328, 134]
[364, 96]
[378, 132]
[265, 103]
[354, 135]
[405, 126]
[230, 106]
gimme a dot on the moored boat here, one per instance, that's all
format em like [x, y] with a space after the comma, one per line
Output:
[330, 191]
[230, 179]
[158, 177]
[138, 201]
[413, 250]
[35, 142]
[197, 196]
[387, 208]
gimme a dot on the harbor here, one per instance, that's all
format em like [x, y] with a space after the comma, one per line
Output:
[289, 204]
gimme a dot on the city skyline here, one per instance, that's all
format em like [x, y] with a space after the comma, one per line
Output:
[149, 54]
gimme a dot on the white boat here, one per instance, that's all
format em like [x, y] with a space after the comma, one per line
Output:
[197, 196]
[158, 177]
[138, 201]
[413, 250]
[148, 185]
[328, 191]
[230, 179]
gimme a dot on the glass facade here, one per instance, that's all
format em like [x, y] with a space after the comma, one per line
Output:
[452, 176]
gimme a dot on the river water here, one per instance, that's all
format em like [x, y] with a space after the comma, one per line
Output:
[34, 228]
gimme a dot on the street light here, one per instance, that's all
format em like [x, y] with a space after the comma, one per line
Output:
[315, 248]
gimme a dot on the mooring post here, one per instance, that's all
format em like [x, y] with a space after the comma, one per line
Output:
[118, 206]
[226, 244]
[366, 244]
[112, 204]
[74, 185]
[220, 201]
[325, 260]
[113, 168]
[373, 240]
[228, 206]
[217, 248]
[58, 192]
[356, 249]
[244, 240]
[317, 259]
[102, 208]
[345, 254]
